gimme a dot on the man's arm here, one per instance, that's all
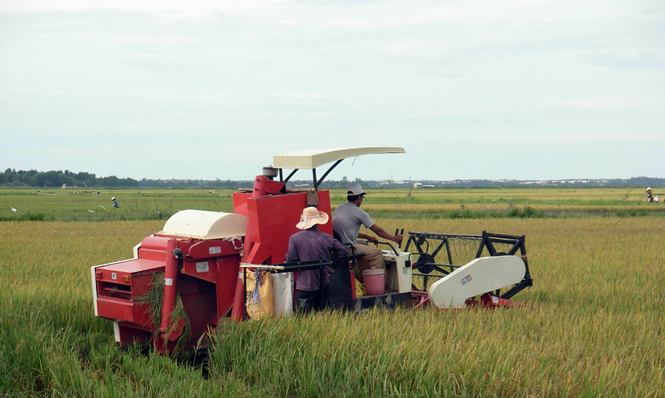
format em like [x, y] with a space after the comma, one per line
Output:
[385, 235]
[369, 238]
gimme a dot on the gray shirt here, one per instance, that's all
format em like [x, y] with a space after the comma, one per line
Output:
[347, 221]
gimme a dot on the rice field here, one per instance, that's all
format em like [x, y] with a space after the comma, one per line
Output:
[160, 204]
[592, 324]
[66, 205]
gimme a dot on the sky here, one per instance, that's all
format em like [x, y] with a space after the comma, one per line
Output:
[503, 89]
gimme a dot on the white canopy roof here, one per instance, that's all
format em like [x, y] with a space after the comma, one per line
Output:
[313, 158]
[205, 225]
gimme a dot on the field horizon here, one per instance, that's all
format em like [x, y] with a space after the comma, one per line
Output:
[467, 203]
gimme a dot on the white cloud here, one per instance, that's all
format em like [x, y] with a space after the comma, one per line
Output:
[597, 138]
[169, 9]
[611, 103]
[399, 49]
[288, 22]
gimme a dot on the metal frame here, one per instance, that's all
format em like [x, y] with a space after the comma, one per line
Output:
[426, 264]
[315, 182]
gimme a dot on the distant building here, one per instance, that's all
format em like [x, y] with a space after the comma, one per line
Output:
[419, 185]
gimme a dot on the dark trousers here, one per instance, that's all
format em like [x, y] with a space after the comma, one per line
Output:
[307, 301]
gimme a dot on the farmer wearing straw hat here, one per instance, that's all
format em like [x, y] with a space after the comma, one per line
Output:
[310, 244]
[346, 224]
[115, 202]
[649, 195]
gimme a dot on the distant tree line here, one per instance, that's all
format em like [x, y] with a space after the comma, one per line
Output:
[56, 179]
[82, 180]
[585, 182]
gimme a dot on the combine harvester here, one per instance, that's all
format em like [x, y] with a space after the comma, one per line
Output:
[186, 279]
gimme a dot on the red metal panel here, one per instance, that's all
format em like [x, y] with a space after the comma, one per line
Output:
[240, 203]
[228, 268]
[157, 243]
[113, 308]
[153, 248]
[128, 267]
[206, 270]
[265, 186]
[140, 284]
[124, 310]
[189, 285]
[200, 308]
[272, 220]
[212, 248]
[130, 334]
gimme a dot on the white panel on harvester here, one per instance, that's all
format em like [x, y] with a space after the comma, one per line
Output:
[481, 275]
[205, 225]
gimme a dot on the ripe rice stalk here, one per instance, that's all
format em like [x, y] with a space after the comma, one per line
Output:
[154, 297]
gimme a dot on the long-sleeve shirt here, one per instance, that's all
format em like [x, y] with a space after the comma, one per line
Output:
[311, 245]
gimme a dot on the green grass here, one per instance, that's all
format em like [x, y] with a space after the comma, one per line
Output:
[65, 205]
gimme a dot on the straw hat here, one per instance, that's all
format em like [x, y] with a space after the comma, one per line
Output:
[648, 189]
[113, 198]
[310, 217]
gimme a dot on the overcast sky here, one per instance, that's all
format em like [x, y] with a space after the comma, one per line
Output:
[212, 89]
